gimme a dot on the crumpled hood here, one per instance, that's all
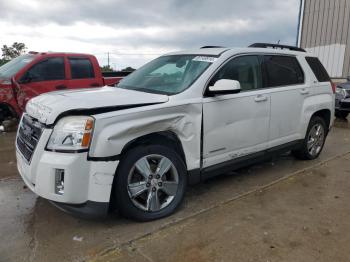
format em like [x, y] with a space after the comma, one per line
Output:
[47, 107]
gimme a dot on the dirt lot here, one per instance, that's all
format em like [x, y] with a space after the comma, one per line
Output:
[285, 210]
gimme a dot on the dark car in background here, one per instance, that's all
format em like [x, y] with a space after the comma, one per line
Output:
[342, 99]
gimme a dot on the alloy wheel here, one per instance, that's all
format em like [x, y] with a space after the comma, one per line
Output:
[315, 139]
[152, 183]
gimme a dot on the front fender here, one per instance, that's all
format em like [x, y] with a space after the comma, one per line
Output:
[112, 133]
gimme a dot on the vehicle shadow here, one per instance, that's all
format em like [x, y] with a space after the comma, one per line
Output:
[342, 123]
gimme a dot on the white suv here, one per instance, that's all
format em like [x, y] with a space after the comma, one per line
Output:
[179, 119]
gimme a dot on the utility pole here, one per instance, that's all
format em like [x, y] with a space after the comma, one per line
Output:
[108, 58]
[300, 22]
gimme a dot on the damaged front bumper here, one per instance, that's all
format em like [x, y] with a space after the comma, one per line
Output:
[69, 180]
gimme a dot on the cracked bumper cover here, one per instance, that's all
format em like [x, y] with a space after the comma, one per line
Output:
[87, 184]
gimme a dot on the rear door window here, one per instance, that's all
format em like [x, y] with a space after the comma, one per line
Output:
[81, 68]
[318, 69]
[47, 70]
[282, 71]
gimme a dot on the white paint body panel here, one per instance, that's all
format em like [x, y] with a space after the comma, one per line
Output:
[233, 126]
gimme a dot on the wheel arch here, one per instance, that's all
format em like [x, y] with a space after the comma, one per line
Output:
[159, 138]
[325, 114]
[9, 109]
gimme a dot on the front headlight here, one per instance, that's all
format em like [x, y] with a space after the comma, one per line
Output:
[71, 134]
[342, 92]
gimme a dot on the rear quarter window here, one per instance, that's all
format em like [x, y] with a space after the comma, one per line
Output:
[81, 68]
[282, 71]
[318, 69]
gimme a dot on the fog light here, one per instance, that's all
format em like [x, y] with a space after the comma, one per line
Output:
[59, 181]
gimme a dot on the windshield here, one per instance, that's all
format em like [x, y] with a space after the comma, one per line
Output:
[167, 74]
[11, 68]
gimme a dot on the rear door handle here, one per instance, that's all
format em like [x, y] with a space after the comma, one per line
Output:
[61, 87]
[304, 91]
[260, 98]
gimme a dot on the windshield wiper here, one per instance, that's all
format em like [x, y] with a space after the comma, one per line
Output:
[145, 90]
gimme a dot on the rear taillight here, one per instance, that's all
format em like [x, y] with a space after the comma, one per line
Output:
[334, 87]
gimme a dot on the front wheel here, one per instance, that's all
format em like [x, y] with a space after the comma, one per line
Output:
[151, 182]
[314, 140]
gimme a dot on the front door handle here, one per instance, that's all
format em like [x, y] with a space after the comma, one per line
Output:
[260, 98]
[61, 87]
[304, 91]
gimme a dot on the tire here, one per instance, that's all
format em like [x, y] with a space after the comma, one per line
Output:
[2, 115]
[169, 189]
[306, 152]
[5, 113]
[341, 114]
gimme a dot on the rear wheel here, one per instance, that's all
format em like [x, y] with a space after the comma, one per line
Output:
[8, 118]
[150, 183]
[314, 140]
[5, 113]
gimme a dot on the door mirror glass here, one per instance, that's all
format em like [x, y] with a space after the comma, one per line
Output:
[225, 86]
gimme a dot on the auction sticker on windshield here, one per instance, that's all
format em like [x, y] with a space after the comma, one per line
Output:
[208, 59]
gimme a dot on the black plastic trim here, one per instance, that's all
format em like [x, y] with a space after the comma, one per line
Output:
[104, 159]
[247, 160]
[277, 46]
[87, 210]
[194, 176]
[212, 46]
[67, 150]
[223, 92]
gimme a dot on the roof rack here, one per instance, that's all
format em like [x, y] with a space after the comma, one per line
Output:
[277, 46]
[211, 46]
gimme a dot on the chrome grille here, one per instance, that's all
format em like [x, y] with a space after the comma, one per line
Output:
[29, 133]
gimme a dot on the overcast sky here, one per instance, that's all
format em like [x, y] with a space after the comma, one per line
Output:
[135, 32]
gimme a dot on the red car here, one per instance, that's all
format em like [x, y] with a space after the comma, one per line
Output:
[35, 73]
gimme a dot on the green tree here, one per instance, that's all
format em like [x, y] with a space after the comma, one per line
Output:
[3, 61]
[10, 52]
[128, 69]
[106, 68]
